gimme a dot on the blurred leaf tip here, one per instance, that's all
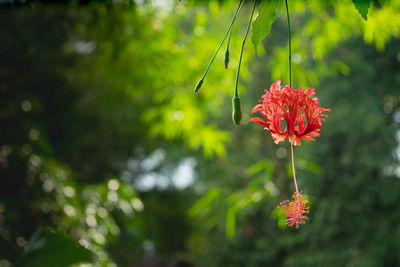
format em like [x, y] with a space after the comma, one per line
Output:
[48, 248]
[362, 7]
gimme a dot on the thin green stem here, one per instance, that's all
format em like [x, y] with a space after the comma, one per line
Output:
[294, 173]
[241, 49]
[226, 58]
[290, 44]
[230, 31]
[223, 40]
[290, 82]
[229, 40]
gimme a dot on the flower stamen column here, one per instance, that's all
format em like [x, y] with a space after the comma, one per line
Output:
[294, 172]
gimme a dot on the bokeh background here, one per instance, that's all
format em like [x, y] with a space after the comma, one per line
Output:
[104, 145]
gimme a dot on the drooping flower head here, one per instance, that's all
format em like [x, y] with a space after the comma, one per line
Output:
[295, 210]
[298, 108]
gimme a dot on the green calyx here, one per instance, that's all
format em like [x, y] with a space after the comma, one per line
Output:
[236, 110]
[198, 85]
[226, 60]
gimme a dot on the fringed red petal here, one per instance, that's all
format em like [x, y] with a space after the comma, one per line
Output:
[299, 108]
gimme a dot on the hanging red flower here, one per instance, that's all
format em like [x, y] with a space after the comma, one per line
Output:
[298, 108]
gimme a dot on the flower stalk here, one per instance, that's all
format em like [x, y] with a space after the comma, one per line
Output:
[226, 57]
[237, 111]
[290, 44]
[294, 172]
[200, 82]
[242, 48]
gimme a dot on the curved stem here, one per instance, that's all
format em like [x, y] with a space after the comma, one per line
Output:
[294, 173]
[229, 40]
[241, 49]
[290, 44]
[290, 83]
[230, 31]
[223, 40]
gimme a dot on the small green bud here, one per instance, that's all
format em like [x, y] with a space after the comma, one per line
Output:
[237, 111]
[198, 86]
[226, 61]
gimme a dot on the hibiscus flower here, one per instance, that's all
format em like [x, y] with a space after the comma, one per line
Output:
[298, 109]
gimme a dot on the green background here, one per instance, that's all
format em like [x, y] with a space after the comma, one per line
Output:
[103, 142]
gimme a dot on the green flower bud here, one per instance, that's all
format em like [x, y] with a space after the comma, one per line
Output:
[237, 111]
[226, 61]
[198, 86]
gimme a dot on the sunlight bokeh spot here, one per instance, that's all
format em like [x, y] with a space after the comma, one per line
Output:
[113, 185]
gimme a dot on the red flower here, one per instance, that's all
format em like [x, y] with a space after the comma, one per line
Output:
[295, 210]
[298, 108]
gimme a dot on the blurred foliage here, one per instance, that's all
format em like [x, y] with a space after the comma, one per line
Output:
[46, 248]
[262, 23]
[97, 117]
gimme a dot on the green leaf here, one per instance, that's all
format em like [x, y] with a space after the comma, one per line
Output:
[262, 23]
[230, 222]
[204, 201]
[49, 248]
[261, 165]
[309, 166]
[362, 7]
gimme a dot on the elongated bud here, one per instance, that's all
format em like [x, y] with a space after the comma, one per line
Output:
[226, 61]
[237, 111]
[198, 86]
